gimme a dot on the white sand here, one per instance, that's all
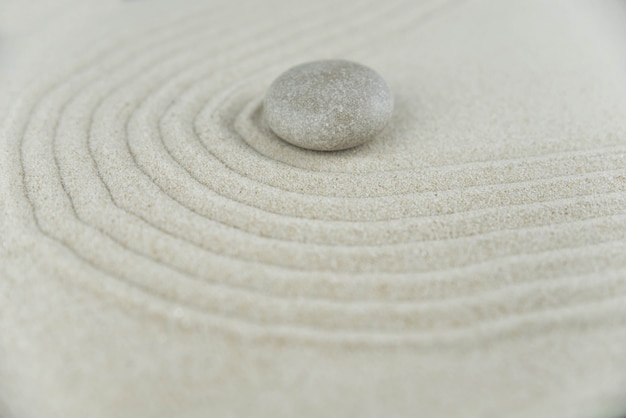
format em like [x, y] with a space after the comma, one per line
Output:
[162, 254]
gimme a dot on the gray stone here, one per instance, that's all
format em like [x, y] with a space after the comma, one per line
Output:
[328, 105]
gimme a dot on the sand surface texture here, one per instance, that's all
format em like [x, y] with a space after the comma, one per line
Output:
[163, 254]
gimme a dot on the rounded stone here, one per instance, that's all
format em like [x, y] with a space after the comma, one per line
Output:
[328, 105]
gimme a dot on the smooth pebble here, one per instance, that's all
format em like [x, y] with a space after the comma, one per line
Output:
[328, 105]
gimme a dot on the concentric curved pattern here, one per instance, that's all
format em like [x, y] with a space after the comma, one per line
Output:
[492, 208]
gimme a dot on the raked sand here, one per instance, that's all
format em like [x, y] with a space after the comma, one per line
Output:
[163, 254]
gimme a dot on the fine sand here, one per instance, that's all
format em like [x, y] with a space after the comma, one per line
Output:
[163, 254]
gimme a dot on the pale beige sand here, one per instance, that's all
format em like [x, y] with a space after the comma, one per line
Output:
[163, 255]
